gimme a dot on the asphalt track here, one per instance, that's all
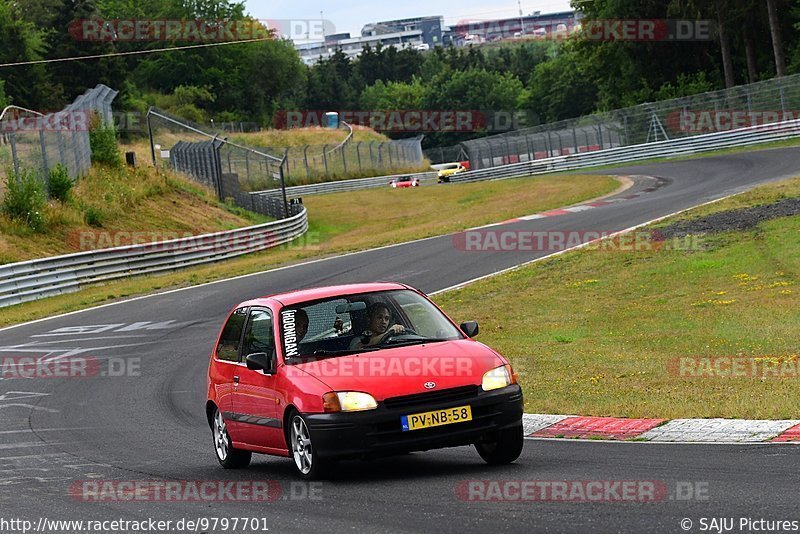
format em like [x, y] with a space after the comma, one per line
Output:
[58, 432]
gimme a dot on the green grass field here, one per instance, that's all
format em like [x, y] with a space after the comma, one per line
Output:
[598, 332]
[339, 223]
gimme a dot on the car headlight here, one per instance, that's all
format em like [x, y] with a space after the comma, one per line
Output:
[499, 377]
[348, 401]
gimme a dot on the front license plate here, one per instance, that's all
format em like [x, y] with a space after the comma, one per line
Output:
[459, 414]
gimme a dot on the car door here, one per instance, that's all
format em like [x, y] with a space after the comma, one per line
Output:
[255, 400]
[226, 365]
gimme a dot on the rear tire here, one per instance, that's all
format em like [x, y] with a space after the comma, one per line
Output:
[502, 448]
[227, 456]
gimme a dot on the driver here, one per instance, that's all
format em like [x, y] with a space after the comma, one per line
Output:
[378, 319]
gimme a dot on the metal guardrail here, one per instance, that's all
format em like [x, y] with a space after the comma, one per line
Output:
[340, 186]
[752, 135]
[31, 280]
[45, 277]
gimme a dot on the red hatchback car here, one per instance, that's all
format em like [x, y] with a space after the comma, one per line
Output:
[404, 181]
[356, 371]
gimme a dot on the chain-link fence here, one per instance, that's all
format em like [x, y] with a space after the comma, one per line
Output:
[746, 105]
[445, 154]
[37, 142]
[309, 164]
[233, 171]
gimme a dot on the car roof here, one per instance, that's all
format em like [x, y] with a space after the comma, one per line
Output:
[303, 295]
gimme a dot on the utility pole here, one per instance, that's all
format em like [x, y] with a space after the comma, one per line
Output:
[521, 23]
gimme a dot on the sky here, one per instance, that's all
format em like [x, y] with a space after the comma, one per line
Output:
[349, 16]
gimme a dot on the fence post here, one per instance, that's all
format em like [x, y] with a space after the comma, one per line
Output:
[358, 156]
[390, 154]
[528, 145]
[600, 134]
[325, 159]
[371, 155]
[344, 158]
[305, 161]
[14, 158]
[217, 162]
[61, 150]
[283, 190]
[45, 167]
[150, 133]
[286, 159]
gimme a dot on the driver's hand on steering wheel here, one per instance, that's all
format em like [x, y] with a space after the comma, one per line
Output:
[396, 329]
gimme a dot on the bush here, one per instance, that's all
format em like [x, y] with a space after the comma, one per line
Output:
[24, 199]
[60, 183]
[103, 140]
[93, 216]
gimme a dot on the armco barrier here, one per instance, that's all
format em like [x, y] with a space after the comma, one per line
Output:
[613, 156]
[346, 185]
[36, 279]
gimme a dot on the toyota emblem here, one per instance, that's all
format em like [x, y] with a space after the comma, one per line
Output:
[430, 385]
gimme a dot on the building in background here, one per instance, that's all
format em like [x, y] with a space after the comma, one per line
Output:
[533, 26]
[431, 28]
[425, 33]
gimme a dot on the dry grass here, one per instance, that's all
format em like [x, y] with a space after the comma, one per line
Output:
[141, 200]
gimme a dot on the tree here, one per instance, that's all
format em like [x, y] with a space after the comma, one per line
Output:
[329, 86]
[564, 87]
[775, 33]
[4, 100]
[75, 77]
[29, 86]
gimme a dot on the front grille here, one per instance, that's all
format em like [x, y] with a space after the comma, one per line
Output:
[433, 397]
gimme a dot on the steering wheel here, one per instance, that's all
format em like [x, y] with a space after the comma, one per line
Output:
[389, 335]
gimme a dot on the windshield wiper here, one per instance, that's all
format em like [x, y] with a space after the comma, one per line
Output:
[414, 341]
[318, 354]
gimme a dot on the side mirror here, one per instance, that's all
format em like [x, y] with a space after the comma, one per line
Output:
[260, 361]
[470, 328]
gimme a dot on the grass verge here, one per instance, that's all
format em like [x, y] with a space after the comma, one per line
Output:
[112, 207]
[359, 220]
[600, 333]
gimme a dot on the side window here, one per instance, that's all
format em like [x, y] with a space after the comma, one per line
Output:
[228, 348]
[258, 336]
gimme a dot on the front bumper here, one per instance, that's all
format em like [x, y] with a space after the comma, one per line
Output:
[378, 432]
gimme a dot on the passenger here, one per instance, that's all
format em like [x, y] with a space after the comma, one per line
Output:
[378, 320]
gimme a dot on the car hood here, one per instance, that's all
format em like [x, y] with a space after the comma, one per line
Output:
[400, 371]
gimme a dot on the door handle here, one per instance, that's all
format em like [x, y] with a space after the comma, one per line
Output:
[235, 379]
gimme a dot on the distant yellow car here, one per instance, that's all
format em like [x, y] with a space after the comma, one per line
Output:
[448, 170]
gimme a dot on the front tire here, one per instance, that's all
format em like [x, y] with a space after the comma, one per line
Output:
[307, 462]
[227, 456]
[502, 448]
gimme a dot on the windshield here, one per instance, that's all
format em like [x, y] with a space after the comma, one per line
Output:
[359, 323]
